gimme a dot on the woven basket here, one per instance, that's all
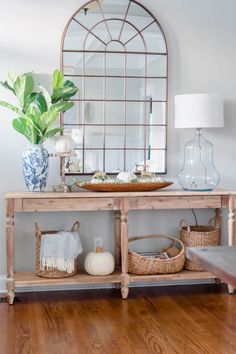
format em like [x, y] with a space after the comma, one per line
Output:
[51, 273]
[138, 264]
[198, 236]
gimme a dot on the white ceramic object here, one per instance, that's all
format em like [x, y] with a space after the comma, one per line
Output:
[99, 262]
[63, 144]
[126, 177]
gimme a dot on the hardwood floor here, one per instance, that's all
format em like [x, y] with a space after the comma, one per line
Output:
[177, 319]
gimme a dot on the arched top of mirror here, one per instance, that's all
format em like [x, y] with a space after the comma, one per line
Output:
[116, 53]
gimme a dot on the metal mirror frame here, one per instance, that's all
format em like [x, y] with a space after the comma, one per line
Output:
[82, 100]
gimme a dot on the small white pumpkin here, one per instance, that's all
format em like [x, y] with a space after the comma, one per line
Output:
[63, 144]
[126, 177]
[99, 262]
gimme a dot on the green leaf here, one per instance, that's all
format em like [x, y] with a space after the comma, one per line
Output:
[33, 111]
[34, 126]
[11, 78]
[46, 95]
[47, 118]
[41, 102]
[63, 93]
[11, 107]
[23, 87]
[29, 99]
[62, 106]
[52, 132]
[57, 79]
[69, 83]
[19, 125]
[5, 84]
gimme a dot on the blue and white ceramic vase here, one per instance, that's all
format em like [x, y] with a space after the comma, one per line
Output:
[35, 168]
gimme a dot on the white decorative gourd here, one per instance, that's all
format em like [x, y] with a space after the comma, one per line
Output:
[99, 262]
[63, 144]
[126, 177]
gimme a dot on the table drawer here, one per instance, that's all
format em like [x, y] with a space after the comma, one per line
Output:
[67, 204]
[179, 202]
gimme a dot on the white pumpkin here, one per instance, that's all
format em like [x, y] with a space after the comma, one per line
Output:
[126, 177]
[99, 262]
[63, 144]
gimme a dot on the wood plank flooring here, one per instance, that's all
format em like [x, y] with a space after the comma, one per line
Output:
[177, 319]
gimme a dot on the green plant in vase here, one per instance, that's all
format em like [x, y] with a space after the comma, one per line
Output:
[37, 111]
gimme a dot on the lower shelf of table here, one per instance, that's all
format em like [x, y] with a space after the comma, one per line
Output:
[26, 279]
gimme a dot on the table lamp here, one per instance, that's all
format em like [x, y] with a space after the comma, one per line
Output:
[198, 111]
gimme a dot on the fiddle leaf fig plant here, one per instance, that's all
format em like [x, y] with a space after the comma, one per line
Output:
[38, 109]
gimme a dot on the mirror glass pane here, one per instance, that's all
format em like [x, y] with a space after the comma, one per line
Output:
[73, 116]
[134, 158]
[135, 137]
[93, 161]
[93, 64]
[115, 160]
[115, 88]
[158, 45]
[116, 116]
[93, 88]
[134, 114]
[138, 16]
[93, 137]
[115, 64]
[138, 69]
[157, 65]
[155, 137]
[115, 136]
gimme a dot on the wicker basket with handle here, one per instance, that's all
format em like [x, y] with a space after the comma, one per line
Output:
[199, 236]
[138, 264]
[51, 273]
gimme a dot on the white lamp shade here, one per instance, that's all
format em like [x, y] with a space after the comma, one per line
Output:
[199, 111]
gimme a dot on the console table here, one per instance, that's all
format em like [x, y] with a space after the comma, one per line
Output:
[121, 203]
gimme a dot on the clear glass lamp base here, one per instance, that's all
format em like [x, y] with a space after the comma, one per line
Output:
[198, 172]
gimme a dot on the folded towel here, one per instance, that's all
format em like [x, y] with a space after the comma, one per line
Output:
[58, 251]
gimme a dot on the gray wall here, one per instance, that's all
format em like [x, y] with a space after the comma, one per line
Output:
[202, 56]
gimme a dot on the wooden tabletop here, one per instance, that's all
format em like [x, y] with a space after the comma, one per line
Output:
[89, 194]
[219, 260]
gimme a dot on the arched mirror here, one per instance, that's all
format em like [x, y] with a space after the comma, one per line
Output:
[116, 53]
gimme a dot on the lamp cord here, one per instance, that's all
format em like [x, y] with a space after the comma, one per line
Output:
[200, 148]
[195, 217]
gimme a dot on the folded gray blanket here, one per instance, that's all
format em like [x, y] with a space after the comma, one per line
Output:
[58, 251]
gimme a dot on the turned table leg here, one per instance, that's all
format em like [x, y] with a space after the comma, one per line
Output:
[231, 230]
[10, 250]
[218, 217]
[117, 232]
[124, 255]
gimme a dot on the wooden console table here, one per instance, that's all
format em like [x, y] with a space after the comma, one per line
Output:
[121, 204]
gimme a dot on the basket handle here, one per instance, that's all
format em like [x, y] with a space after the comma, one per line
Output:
[75, 227]
[183, 223]
[173, 239]
[37, 229]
